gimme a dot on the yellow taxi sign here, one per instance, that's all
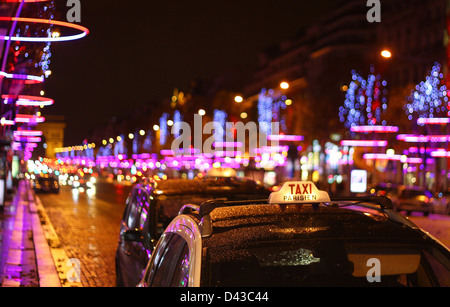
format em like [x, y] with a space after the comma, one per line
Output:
[294, 192]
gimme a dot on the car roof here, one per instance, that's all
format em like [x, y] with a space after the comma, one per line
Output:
[253, 223]
[220, 186]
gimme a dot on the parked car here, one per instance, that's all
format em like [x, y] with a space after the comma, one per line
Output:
[152, 205]
[296, 237]
[415, 199]
[46, 183]
[390, 190]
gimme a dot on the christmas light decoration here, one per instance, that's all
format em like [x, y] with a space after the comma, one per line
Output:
[23, 100]
[220, 118]
[364, 143]
[374, 128]
[440, 154]
[164, 131]
[29, 79]
[270, 106]
[412, 138]
[365, 101]
[433, 120]
[392, 157]
[84, 30]
[29, 119]
[27, 133]
[429, 99]
[176, 127]
[283, 137]
[148, 142]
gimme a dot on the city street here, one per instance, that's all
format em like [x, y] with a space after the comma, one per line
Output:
[87, 225]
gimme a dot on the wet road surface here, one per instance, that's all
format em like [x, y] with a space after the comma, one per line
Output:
[87, 224]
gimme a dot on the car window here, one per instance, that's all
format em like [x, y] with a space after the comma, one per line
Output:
[144, 210]
[440, 267]
[173, 258]
[181, 274]
[132, 215]
[319, 263]
[157, 255]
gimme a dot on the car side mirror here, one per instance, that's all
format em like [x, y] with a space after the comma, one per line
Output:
[132, 235]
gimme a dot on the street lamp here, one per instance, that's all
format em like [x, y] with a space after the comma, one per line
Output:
[386, 54]
[284, 85]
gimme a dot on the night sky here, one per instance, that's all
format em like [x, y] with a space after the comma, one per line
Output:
[137, 52]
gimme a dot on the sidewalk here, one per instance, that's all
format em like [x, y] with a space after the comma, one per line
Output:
[26, 258]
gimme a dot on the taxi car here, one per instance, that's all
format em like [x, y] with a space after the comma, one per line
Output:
[298, 237]
[152, 204]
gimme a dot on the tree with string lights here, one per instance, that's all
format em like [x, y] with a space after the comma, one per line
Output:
[429, 98]
[365, 101]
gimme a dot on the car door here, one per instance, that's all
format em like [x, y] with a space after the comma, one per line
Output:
[124, 258]
[171, 267]
[143, 247]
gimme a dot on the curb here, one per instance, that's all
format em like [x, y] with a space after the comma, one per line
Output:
[48, 276]
[54, 266]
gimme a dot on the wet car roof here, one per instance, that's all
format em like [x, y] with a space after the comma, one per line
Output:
[244, 224]
[220, 185]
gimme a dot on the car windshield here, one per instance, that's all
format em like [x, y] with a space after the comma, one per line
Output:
[413, 193]
[325, 263]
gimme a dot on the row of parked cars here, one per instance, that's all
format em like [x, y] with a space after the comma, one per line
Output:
[233, 232]
[414, 199]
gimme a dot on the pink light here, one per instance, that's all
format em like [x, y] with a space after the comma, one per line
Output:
[433, 120]
[381, 156]
[282, 137]
[84, 31]
[27, 133]
[141, 156]
[378, 129]
[34, 101]
[29, 79]
[411, 160]
[423, 138]
[6, 122]
[423, 149]
[411, 138]
[33, 119]
[26, 1]
[33, 139]
[167, 152]
[440, 154]
[227, 144]
[364, 143]
[227, 153]
[391, 157]
[271, 149]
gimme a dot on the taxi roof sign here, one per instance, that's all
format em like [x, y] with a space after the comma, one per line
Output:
[295, 192]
